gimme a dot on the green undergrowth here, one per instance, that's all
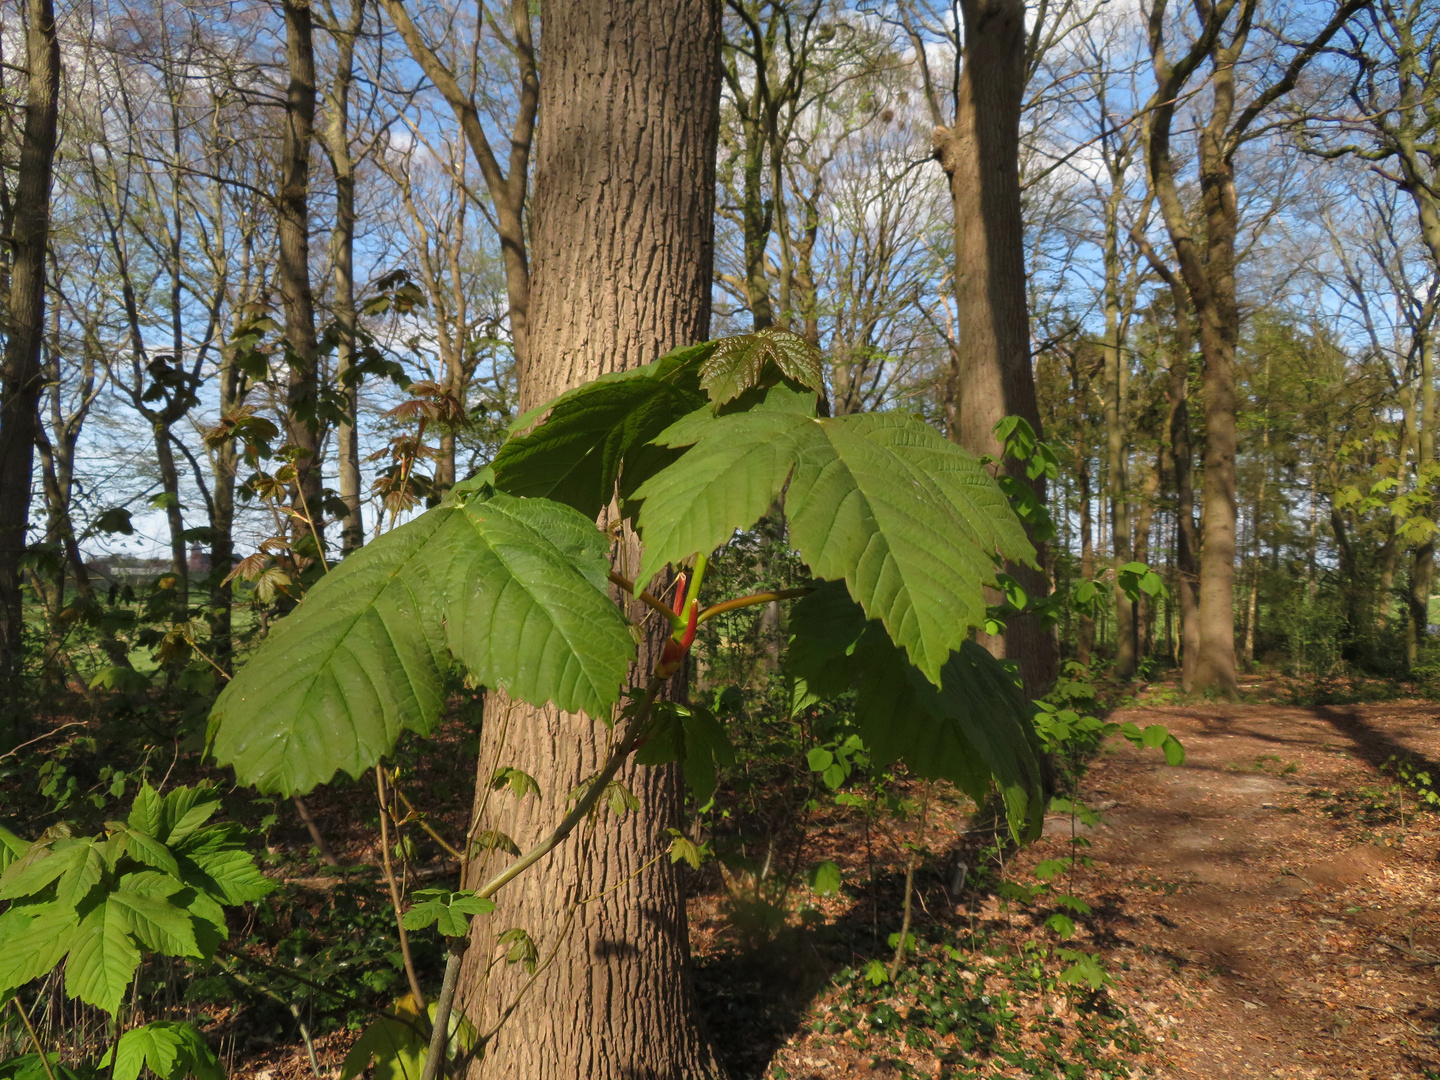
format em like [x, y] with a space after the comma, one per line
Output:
[971, 1007]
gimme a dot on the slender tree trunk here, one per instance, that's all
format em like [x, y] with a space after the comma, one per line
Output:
[1422, 560]
[342, 255]
[508, 191]
[756, 217]
[622, 260]
[1144, 518]
[1359, 622]
[1253, 604]
[1086, 640]
[25, 328]
[174, 519]
[991, 376]
[225, 460]
[296, 297]
[1117, 395]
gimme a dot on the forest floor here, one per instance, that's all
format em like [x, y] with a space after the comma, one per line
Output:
[1269, 909]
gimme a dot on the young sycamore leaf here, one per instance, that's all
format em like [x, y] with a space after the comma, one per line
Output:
[575, 457]
[737, 364]
[522, 951]
[1063, 925]
[824, 878]
[449, 912]
[691, 735]
[172, 1050]
[1084, 968]
[906, 518]
[518, 781]
[683, 848]
[515, 589]
[396, 1045]
[116, 896]
[1049, 868]
[975, 727]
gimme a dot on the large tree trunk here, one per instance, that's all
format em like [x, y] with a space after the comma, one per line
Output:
[621, 258]
[990, 374]
[296, 297]
[1207, 266]
[22, 381]
[1219, 331]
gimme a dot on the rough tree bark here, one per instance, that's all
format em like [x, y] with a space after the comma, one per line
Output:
[29, 230]
[991, 376]
[621, 258]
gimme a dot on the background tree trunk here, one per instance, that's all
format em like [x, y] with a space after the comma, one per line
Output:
[990, 374]
[1117, 396]
[19, 406]
[302, 422]
[342, 256]
[621, 262]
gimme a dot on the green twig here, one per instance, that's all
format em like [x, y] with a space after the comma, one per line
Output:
[750, 601]
[34, 1039]
[395, 899]
[649, 599]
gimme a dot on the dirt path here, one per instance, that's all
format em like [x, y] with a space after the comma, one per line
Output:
[1257, 895]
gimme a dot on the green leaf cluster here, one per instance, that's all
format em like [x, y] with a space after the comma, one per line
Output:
[910, 522]
[449, 912]
[691, 735]
[513, 588]
[172, 1050]
[396, 1045]
[32, 1067]
[972, 729]
[158, 881]
[904, 529]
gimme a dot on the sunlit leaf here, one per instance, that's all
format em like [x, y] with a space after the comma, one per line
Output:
[907, 519]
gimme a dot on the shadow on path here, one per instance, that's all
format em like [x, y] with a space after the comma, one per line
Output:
[1373, 745]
